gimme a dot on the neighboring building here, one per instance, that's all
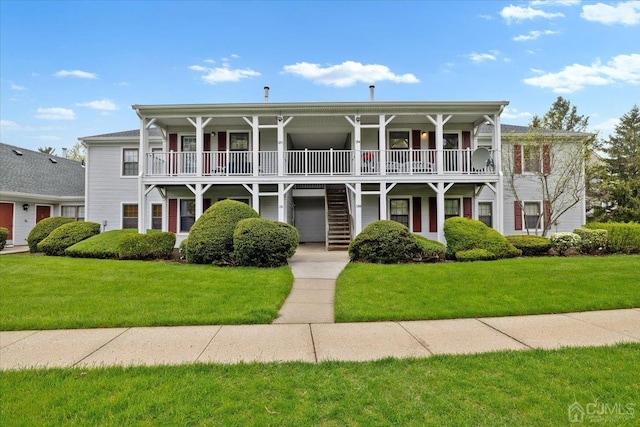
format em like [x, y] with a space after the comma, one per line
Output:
[327, 168]
[34, 186]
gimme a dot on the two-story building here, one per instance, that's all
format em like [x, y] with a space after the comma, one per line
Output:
[328, 168]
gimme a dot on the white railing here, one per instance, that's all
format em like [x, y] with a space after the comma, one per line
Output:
[319, 162]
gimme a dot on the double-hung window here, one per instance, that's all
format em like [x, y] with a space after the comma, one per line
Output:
[532, 215]
[531, 159]
[130, 162]
[451, 208]
[399, 211]
[187, 214]
[130, 215]
[485, 213]
[75, 212]
[156, 216]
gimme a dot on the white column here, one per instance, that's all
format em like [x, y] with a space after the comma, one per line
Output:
[358, 213]
[280, 138]
[383, 201]
[500, 204]
[255, 198]
[439, 146]
[281, 207]
[143, 148]
[382, 144]
[255, 126]
[199, 151]
[199, 201]
[496, 144]
[357, 134]
[440, 212]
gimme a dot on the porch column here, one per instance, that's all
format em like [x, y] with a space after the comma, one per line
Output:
[382, 144]
[281, 207]
[383, 201]
[255, 198]
[440, 211]
[199, 201]
[496, 144]
[500, 203]
[142, 150]
[255, 127]
[280, 138]
[199, 151]
[358, 214]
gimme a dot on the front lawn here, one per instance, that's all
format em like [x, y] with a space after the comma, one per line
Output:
[526, 388]
[40, 292]
[372, 292]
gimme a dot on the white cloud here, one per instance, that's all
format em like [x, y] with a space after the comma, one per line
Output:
[347, 74]
[518, 13]
[210, 61]
[9, 125]
[536, 70]
[554, 2]
[47, 138]
[103, 104]
[606, 127]
[55, 113]
[76, 73]
[486, 17]
[123, 83]
[481, 57]
[621, 69]
[224, 73]
[235, 56]
[17, 87]
[533, 35]
[512, 113]
[627, 13]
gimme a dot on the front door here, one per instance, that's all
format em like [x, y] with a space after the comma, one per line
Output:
[42, 212]
[6, 218]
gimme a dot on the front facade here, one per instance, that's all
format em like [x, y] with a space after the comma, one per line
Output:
[34, 186]
[329, 169]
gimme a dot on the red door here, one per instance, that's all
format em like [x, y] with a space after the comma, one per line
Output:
[42, 212]
[6, 218]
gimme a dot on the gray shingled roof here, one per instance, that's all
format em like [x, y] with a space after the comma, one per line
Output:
[34, 173]
[135, 133]
[511, 129]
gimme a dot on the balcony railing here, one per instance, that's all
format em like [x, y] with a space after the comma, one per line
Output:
[318, 163]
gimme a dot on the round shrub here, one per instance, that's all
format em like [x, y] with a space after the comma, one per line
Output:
[431, 250]
[67, 235]
[42, 229]
[563, 241]
[463, 234]
[4, 233]
[162, 244]
[592, 242]
[259, 242]
[475, 255]
[530, 245]
[623, 237]
[182, 249]
[103, 245]
[385, 242]
[211, 236]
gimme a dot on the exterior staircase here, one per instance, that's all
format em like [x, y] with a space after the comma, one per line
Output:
[338, 219]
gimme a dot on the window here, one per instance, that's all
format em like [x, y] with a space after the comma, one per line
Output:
[238, 141]
[399, 211]
[399, 140]
[187, 214]
[156, 216]
[75, 212]
[188, 143]
[130, 216]
[451, 208]
[485, 213]
[188, 148]
[531, 159]
[450, 141]
[130, 162]
[532, 218]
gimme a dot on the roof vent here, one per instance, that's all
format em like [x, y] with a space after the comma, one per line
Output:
[52, 160]
[372, 89]
[17, 152]
[266, 94]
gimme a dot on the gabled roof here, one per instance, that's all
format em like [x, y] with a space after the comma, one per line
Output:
[128, 134]
[506, 130]
[31, 172]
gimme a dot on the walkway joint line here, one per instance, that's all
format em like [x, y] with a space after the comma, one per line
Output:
[313, 343]
[208, 343]
[422, 343]
[101, 347]
[505, 334]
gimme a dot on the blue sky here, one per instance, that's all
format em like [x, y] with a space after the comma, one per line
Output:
[71, 69]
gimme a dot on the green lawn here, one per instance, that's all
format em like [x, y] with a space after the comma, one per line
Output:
[528, 388]
[40, 292]
[371, 292]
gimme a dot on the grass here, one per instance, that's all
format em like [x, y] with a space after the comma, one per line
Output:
[368, 292]
[40, 292]
[528, 388]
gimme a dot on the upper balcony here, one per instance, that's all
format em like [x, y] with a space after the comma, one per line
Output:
[318, 163]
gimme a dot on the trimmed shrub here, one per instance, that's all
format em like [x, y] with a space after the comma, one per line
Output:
[162, 244]
[623, 237]
[157, 245]
[432, 250]
[4, 233]
[475, 255]
[259, 242]
[385, 242]
[182, 249]
[592, 242]
[211, 236]
[103, 245]
[463, 234]
[530, 245]
[561, 242]
[66, 236]
[42, 229]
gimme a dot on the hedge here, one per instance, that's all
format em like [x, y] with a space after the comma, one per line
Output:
[157, 245]
[259, 242]
[103, 245]
[4, 233]
[42, 229]
[385, 242]
[530, 245]
[211, 236]
[592, 241]
[67, 235]
[623, 237]
[475, 255]
[463, 234]
[431, 250]
[564, 241]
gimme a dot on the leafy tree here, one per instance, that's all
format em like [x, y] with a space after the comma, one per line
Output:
[77, 152]
[619, 186]
[563, 148]
[47, 150]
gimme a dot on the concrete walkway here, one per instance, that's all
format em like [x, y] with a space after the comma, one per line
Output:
[312, 342]
[315, 272]
[8, 250]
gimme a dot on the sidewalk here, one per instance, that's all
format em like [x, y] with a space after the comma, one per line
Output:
[312, 342]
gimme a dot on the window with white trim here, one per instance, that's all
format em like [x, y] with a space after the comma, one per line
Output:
[130, 215]
[451, 208]
[399, 211]
[238, 141]
[187, 214]
[485, 213]
[156, 216]
[531, 159]
[532, 213]
[75, 212]
[399, 139]
[129, 162]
